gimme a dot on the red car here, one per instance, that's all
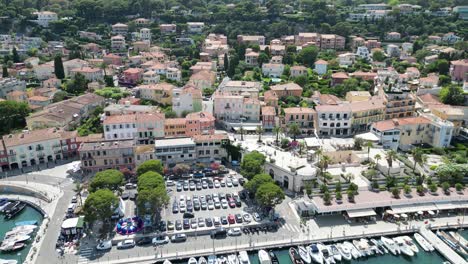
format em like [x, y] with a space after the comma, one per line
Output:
[232, 203]
[231, 219]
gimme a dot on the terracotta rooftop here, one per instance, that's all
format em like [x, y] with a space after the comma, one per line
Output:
[204, 138]
[372, 104]
[321, 62]
[287, 86]
[340, 75]
[31, 137]
[395, 123]
[268, 110]
[174, 121]
[299, 110]
[38, 98]
[200, 116]
[106, 145]
[133, 118]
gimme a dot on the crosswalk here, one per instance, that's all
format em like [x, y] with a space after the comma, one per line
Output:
[291, 228]
[84, 255]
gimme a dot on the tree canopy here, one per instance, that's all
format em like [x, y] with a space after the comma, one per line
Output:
[452, 173]
[257, 181]
[269, 194]
[13, 116]
[252, 164]
[100, 205]
[150, 165]
[108, 179]
[452, 94]
[150, 180]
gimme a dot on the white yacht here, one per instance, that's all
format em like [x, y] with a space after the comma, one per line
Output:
[232, 259]
[315, 253]
[243, 257]
[264, 257]
[344, 251]
[304, 254]
[212, 259]
[327, 256]
[423, 242]
[167, 262]
[202, 260]
[8, 261]
[391, 245]
[335, 252]
[354, 252]
[380, 245]
[410, 243]
[405, 249]
[192, 260]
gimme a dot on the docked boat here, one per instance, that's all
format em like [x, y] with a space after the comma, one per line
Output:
[423, 243]
[222, 260]
[212, 259]
[404, 248]
[15, 211]
[327, 256]
[451, 242]
[192, 260]
[17, 238]
[335, 252]
[380, 245]
[354, 252]
[22, 223]
[232, 259]
[315, 253]
[304, 254]
[8, 261]
[202, 260]
[11, 246]
[18, 232]
[295, 257]
[374, 247]
[363, 247]
[460, 239]
[344, 251]
[167, 262]
[410, 243]
[3, 201]
[264, 257]
[243, 257]
[11, 205]
[3, 206]
[391, 245]
[273, 257]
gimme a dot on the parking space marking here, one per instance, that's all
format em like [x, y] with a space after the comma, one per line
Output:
[84, 255]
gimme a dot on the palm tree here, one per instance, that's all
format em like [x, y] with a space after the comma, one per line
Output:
[103, 67]
[241, 131]
[78, 189]
[369, 146]
[418, 156]
[390, 157]
[259, 130]
[323, 165]
[377, 157]
[277, 130]
[294, 130]
[319, 153]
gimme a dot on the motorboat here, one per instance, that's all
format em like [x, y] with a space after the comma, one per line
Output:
[315, 253]
[451, 242]
[335, 252]
[363, 247]
[390, 245]
[8, 261]
[374, 247]
[295, 257]
[344, 251]
[3, 206]
[327, 256]
[167, 262]
[11, 246]
[305, 256]
[17, 238]
[460, 239]
[423, 242]
[408, 241]
[212, 259]
[3, 201]
[10, 206]
[354, 252]
[222, 260]
[273, 257]
[202, 260]
[232, 259]
[243, 257]
[405, 249]
[192, 260]
[24, 227]
[15, 211]
[380, 245]
[14, 233]
[264, 257]
[30, 222]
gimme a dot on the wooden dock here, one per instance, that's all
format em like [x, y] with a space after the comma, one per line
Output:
[440, 246]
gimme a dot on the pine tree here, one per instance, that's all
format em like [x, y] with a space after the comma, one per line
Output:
[5, 71]
[58, 67]
[226, 62]
[16, 57]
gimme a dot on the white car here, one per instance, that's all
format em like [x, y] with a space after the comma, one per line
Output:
[224, 204]
[229, 183]
[257, 217]
[217, 204]
[211, 206]
[216, 184]
[247, 218]
[104, 245]
[236, 231]
[129, 243]
[160, 240]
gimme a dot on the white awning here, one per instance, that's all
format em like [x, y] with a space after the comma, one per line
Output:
[401, 209]
[361, 213]
[369, 136]
[447, 206]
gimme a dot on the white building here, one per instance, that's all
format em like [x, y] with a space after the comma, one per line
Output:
[321, 67]
[118, 42]
[272, 70]
[45, 17]
[151, 77]
[145, 34]
[195, 27]
[143, 127]
[173, 74]
[363, 52]
[347, 59]
[175, 151]
[393, 50]
[334, 120]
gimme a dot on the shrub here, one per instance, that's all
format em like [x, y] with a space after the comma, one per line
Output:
[459, 187]
[396, 192]
[338, 196]
[433, 187]
[433, 167]
[327, 198]
[407, 189]
[420, 189]
[375, 185]
[446, 187]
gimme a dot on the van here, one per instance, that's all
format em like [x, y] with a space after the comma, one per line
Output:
[71, 208]
[219, 233]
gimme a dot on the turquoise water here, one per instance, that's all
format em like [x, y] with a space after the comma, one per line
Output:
[27, 214]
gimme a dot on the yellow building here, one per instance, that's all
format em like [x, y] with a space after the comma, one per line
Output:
[366, 112]
[174, 127]
[357, 96]
[161, 92]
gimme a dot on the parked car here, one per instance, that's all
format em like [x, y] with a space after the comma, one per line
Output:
[217, 221]
[219, 232]
[247, 218]
[235, 182]
[224, 220]
[160, 240]
[175, 209]
[201, 222]
[178, 225]
[217, 184]
[177, 238]
[104, 245]
[170, 225]
[144, 241]
[236, 231]
[231, 219]
[238, 218]
[170, 183]
[224, 204]
[130, 186]
[125, 195]
[128, 243]
[193, 223]
[188, 215]
[186, 223]
[74, 199]
[162, 226]
[209, 222]
[257, 217]
[232, 203]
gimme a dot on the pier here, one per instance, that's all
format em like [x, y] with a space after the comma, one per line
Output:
[441, 246]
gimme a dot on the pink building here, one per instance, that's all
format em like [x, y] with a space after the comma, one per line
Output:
[199, 123]
[268, 117]
[112, 59]
[133, 75]
[459, 70]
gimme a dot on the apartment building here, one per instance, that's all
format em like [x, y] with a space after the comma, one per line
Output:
[128, 108]
[332, 41]
[334, 120]
[268, 117]
[251, 109]
[161, 92]
[303, 116]
[287, 89]
[404, 133]
[251, 58]
[251, 40]
[90, 74]
[459, 70]
[227, 107]
[187, 99]
[400, 102]
[210, 148]
[273, 70]
[240, 87]
[119, 29]
[118, 43]
[45, 17]
[104, 155]
[175, 151]
[195, 27]
[144, 128]
[304, 38]
[365, 112]
[199, 123]
[168, 28]
[8, 85]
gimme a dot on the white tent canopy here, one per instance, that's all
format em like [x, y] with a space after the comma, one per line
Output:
[361, 213]
[401, 209]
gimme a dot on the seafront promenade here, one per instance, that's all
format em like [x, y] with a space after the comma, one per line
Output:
[203, 246]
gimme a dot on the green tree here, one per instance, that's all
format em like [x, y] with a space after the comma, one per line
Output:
[58, 67]
[277, 130]
[308, 55]
[100, 205]
[407, 189]
[226, 62]
[452, 94]
[326, 198]
[396, 192]
[378, 56]
[252, 164]
[108, 179]
[369, 145]
[150, 180]
[16, 57]
[150, 201]
[390, 156]
[418, 157]
[13, 116]
[294, 130]
[257, 181]
[269, 195]
[259, 131]
[77, 85]
[233, 65]
[452, 173]
[4, 71]
[446, 187]
[262, 58]
[150, 165]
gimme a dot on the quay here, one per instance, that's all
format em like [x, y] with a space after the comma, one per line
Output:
[441, 246]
